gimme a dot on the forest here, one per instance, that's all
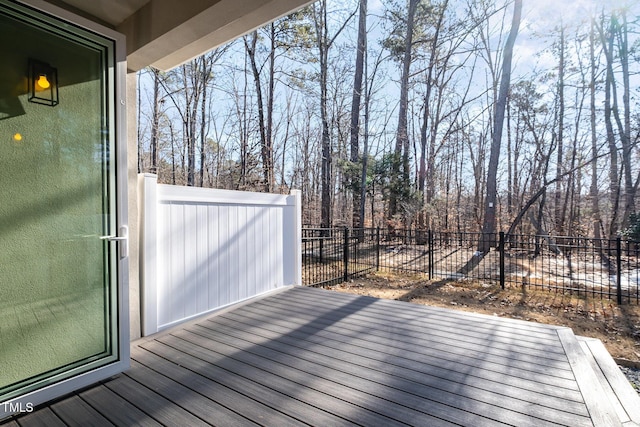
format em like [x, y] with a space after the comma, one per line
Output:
[519, 116]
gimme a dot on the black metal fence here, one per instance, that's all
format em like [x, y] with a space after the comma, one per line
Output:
[597, 268]
[334, 255]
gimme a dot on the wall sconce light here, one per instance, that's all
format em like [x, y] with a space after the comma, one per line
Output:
[43, 83]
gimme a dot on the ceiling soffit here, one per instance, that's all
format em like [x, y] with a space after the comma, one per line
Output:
[167, 33]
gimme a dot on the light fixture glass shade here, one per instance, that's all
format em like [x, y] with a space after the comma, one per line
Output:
[43, 83]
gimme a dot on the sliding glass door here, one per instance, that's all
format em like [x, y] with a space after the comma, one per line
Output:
[62, 229]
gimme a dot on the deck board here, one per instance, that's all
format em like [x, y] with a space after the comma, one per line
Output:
[425, 345]
[439, 321]
[435, 397]
[347, 356]
[44, 417]
[612, 379]
[413, 311]
[162, 409]
[448, 335]
[186, 392]
[116, 409]
[252, 399]
[387, 355]
[75, 411]
[312, 357]
[337, 394]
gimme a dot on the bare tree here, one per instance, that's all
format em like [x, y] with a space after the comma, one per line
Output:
[186, 87]
[324, 40]
[621, 33]
[444, 98]
[593, 190]
[400, 166]
[489, 225]
[155, 120]
[607, 39]
[559, 205]
[361, 45]
[265, 124]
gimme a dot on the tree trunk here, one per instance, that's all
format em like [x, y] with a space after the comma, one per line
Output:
[203, 119]
[155, 122]
[510, 192]
[323, 49]
[324, 42]
[173, 155]
[614, 186]
[265, 149]
[593, 191]
[271, 181]
[398, 177]
[357, 218]
[558, 202]
[624, 125]
[489, 223]
[430, 120]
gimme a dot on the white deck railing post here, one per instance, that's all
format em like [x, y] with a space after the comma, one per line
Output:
[291, 239]
[297, 194]
[148, 191]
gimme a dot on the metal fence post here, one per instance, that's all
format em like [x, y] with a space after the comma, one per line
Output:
[345, 254]
[501, 250]
[619, 269]
[430, 251]
[378, 249]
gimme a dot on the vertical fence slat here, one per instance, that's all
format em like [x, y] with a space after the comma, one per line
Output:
[431, 256]
[345, 253]
[619, 270]
[501, 250]
[378, 249]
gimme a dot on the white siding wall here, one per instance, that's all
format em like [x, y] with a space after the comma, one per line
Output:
[212, 248]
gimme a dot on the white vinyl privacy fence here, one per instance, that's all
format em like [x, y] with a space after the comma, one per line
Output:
[204, 249]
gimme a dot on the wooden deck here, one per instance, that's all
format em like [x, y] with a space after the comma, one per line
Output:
[309, 356]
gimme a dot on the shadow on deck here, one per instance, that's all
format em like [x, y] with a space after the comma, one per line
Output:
[313, 357]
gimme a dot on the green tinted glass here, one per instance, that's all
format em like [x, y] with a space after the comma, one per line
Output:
[57, 276]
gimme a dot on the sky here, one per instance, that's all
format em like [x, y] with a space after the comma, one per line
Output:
[540, 18]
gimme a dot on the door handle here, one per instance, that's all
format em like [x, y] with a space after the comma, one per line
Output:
[122, 238]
